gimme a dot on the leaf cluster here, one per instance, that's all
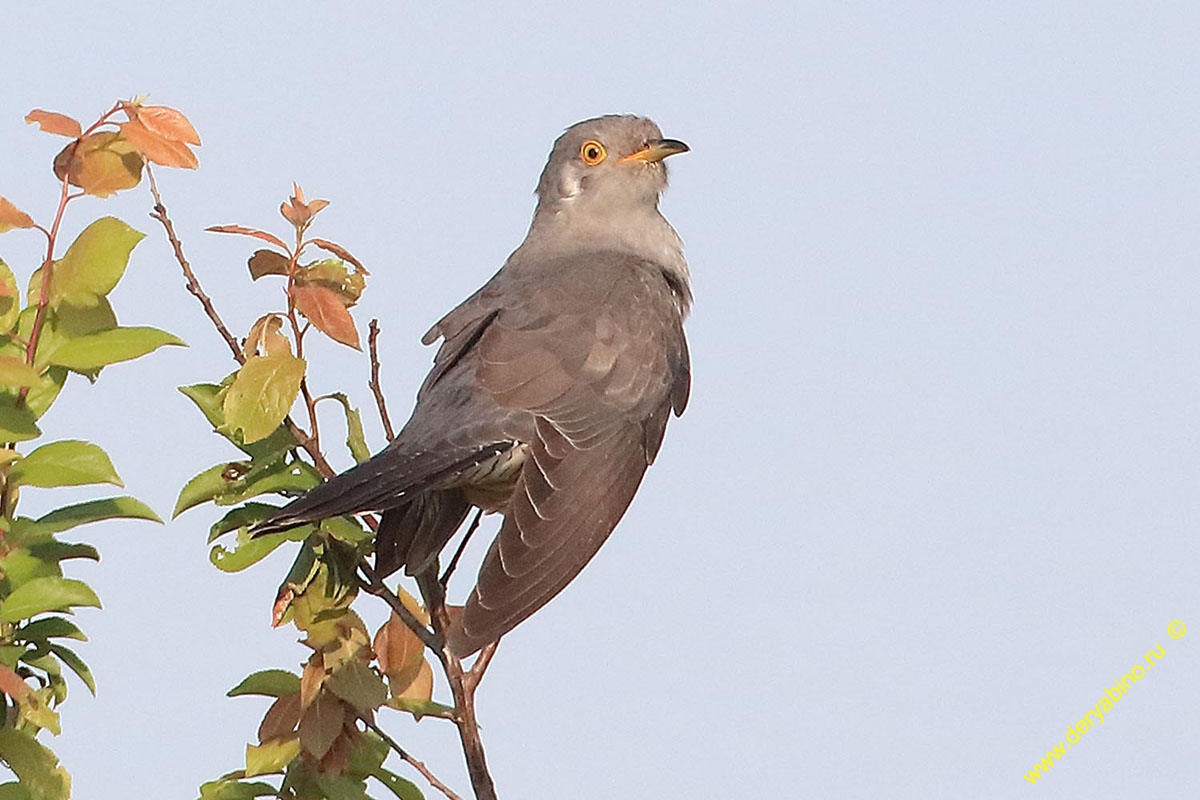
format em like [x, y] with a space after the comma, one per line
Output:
[64, 324]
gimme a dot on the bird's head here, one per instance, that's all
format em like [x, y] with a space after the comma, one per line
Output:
[607, 162]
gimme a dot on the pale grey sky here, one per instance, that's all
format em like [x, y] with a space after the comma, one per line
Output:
[938, 484]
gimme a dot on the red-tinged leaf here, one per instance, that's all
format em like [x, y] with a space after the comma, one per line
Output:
[281, 719]
[100, 164]
[244, 231]
[267, 262]
[311, 678]
[316, 206]
[12, 685]
[168, 123]
[324, 309]
[293, 214]
[158, 149]
[340, 252]
[321, 723]
[13, 217]
[53, 122]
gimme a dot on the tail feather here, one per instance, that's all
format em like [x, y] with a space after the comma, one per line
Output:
[390, 480]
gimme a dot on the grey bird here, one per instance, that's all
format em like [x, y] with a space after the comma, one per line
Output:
[550, 393]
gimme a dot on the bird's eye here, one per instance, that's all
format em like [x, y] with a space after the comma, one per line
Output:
[592, 152]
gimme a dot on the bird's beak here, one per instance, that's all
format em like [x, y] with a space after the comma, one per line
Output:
[656, 150]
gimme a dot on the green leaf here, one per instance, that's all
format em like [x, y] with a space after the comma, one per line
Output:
[358, 685]
[72, 660]
[294, 478]
[202, 488]
[35, 765]
[43, 393]
[14, 791]
[209, 398]
[95, 510]
[262, 394]
[250, 551]
[240, 517]
[46, 594]
[271, 756]
[341, 787]
[269, 683]
[10, 298]
[54, 551]
[94, 262]
[16, 374]
[36, 709]
[356, 441]
[66, 463]
[109, 347]
[50, 627]
[233, 789]
[17, 421]
[421, 708]
[321, 723]
[402, 788]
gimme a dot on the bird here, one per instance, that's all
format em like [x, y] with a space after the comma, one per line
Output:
[549, 394]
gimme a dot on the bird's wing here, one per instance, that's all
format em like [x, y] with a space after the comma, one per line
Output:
[593, 348]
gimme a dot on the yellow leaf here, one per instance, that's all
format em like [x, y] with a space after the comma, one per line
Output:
[262, 395]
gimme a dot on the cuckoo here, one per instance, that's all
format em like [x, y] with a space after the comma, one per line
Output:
[550, 392]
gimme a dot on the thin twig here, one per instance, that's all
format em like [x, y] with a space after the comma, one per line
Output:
[374, 585]
[193, 285]
[374, 382]
[417, 765]
[433, 593]
[160, 213]
[461, 547]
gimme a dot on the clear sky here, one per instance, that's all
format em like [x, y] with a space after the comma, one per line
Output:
[938, 484]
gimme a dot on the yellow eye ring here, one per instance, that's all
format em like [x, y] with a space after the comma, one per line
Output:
[592, 152]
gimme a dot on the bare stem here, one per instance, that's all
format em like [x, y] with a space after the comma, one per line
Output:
[461, 547]
[433, 593]
[375, 585]
[417, 765]
[374, 382]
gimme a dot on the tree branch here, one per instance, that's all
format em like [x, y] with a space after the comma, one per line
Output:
[374, 382]
[374, 585]
[417, 765]
[193, 285]
[433, 593]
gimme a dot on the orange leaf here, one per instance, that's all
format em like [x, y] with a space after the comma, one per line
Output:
[156, 148]
[12, 685]
[167, 123]
[422, 686]
[100, 164]
[53, 122]
[13, 217]
[399, 651]
[311, 678]
[244, 231]
[324, 309]
[340, 252]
